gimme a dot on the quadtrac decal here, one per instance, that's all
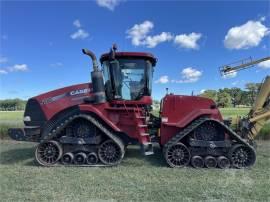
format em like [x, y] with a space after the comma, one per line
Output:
[68, 94]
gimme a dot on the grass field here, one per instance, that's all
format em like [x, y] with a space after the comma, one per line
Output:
[137, 178]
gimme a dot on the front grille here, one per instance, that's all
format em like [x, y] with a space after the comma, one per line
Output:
[34, 110]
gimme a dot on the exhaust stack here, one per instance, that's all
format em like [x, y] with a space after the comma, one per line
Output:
[97, 79]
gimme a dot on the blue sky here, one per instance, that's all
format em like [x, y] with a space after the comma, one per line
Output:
[40, 47]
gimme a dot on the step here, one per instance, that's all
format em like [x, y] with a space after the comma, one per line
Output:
[144, 134]
[147, 148]
[140, 117]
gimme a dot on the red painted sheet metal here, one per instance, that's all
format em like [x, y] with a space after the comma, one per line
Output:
[55, 101]
[178, 111]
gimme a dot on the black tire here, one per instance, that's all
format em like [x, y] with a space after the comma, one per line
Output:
[48, 153]
[177, 155]
[197, 162]
[92, 159]
[110, 153]
[80, 158]
[223, 162]
[242, 156]
[67, 158]
[210, 162]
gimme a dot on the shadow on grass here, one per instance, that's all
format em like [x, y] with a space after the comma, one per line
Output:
[155, 159]
[20, 155]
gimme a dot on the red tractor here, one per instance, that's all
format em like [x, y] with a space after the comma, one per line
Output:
[92, 124]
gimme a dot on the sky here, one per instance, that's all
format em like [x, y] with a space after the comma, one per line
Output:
[41, 42]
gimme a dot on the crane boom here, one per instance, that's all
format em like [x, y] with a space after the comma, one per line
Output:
[259, 114]
[227, 69]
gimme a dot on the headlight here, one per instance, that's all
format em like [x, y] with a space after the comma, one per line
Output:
[27, 118]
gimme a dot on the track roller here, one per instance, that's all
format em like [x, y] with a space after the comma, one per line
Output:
[80, 158]
[242, 156]
[197, 162]
[67, 158]
[223, 162]
[48, 153]
[210, 162]
[91, 159]
[177, 155]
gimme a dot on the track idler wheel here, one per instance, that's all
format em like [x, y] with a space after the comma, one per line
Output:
[197, 162]
[92, 159]
[242, 156]
[80, 158]
[110, 153]
[210, 162]
[177, 155]
[48, 153]
[223, 162]
[67, 158]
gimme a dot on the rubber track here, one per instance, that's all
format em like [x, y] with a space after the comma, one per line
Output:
[179, 136]
[61, 126]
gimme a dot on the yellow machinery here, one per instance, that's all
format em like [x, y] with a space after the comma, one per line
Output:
[259, 114]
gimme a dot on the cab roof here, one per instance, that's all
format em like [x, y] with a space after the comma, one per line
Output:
[132, 55]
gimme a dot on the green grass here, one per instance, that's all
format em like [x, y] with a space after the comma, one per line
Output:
[11, 115]
[233, 112]
[137, 178]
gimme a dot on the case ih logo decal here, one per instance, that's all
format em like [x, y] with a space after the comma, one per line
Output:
[71, 93]
[81, 91]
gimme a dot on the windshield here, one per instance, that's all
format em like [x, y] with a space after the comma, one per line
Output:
[132, 78]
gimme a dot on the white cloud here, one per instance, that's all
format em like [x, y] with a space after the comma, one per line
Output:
[80, 34]
[139, 35]
[265, 64]
[163, 79]
[2, 71]
[18, 68]
[77, 23]
[190, 75]
[202, 91]
[153, 41]
[188, 41]
[57, 64]
[230, 75]
[246, 36]
[3, 59]
[139, 32]
[109, 4]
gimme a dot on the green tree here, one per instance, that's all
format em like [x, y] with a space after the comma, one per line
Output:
[212, 94]
[224, 99]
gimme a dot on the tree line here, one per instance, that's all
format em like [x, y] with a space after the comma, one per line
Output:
[12, 104]
[232, 97]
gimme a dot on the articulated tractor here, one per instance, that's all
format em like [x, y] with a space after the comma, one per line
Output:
[92, 124]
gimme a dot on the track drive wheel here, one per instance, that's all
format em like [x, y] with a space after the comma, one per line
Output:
[242, 156]
[177, 155]
[48, 153]
[110, 153]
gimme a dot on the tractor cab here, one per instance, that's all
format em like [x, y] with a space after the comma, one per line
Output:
[127, 75]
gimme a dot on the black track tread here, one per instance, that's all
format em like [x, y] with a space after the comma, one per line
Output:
[60, 126]
[196, 123]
